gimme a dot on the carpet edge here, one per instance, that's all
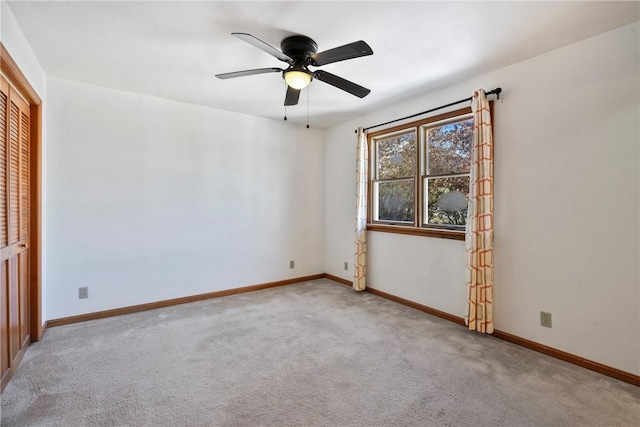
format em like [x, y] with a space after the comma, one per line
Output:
[591, 365]
[174, 301]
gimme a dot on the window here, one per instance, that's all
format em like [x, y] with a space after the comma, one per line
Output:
[419, 176]
[395, 186]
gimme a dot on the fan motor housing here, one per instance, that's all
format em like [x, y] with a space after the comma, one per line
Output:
[298, 48]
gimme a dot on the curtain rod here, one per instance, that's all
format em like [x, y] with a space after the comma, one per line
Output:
[496, 91]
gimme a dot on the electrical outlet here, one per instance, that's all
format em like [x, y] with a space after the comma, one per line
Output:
[292, 264]
[545, 319]
[346, 266]
[83, 292]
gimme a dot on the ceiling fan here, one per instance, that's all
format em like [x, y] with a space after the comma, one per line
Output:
[300, 52]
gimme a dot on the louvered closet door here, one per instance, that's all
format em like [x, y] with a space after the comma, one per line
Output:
[14, 225]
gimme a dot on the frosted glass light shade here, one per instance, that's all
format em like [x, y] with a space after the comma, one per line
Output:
[297, 79]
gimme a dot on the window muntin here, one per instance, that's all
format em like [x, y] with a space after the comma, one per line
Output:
[420, 175]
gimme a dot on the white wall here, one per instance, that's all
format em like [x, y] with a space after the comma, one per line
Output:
[151, 199]
[14, 40]
[567, 137]
[16, 44]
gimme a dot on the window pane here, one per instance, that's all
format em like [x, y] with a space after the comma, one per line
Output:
[396, 200]
[396, 156]
[447, 200]
[449, 148]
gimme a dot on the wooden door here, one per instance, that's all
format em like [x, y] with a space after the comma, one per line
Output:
[14, 227]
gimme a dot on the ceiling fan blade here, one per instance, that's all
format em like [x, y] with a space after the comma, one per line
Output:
[248, 73]
[341, 83]
[292, 96]
[342, 53]
[252, 40]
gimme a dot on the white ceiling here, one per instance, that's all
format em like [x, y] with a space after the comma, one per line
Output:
[172, 49]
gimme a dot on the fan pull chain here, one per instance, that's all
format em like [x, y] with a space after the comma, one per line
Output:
[308, 90]
[285, 105]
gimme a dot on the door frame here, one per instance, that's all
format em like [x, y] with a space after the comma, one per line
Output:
[12, 73]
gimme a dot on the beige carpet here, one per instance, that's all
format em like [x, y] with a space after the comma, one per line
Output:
[310, 354]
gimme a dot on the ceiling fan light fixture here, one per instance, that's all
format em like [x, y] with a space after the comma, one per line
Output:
[297, 79]
[299, 51]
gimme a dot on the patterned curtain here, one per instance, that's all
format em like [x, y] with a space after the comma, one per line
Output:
[479, 231]
[362, 164]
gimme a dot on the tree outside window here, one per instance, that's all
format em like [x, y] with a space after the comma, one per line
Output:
[396, 171]
[447, 179]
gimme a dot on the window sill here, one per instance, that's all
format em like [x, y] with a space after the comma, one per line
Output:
[414, 231]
